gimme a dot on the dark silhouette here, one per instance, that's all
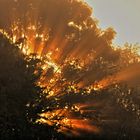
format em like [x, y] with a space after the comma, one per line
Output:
[73, 84]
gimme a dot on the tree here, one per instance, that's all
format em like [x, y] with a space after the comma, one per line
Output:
[87, 83]
[17, 89]
[76, 30]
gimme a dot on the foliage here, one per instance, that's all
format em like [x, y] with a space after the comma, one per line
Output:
[77, 85]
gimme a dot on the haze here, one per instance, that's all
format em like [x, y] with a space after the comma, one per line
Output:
[122, 15]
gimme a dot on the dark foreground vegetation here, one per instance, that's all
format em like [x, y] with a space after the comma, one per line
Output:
[87, 89]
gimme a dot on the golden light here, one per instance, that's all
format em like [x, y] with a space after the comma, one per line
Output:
[55, 51]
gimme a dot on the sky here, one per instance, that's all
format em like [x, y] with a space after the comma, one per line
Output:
[122, 15]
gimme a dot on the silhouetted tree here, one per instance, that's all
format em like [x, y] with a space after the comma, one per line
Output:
[92, 73]
[17, 89]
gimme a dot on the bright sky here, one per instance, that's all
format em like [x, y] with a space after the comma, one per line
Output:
[122, 15]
